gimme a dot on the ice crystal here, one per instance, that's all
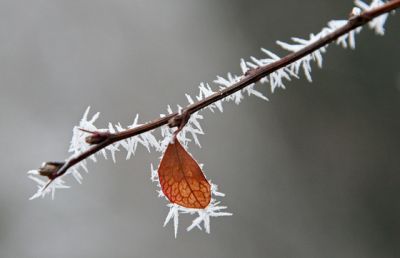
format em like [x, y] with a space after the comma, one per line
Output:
[58, 183]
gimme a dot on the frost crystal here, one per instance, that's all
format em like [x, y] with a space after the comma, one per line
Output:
[193, 129]
[58, 183]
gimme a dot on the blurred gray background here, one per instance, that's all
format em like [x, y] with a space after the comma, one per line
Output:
[314, 172]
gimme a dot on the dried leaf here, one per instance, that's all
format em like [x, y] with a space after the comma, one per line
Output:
[181, 178]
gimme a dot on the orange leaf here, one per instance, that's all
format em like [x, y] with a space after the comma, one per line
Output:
[181, 178]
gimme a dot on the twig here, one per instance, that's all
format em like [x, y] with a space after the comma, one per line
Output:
[102, 140]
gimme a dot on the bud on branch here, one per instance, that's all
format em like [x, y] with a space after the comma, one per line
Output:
[96, 137]
[50, 169]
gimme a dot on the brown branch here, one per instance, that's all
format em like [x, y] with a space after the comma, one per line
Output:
[252, 76]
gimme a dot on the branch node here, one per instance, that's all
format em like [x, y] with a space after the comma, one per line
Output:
[252, 71]
[359, 18]
[50, 169]
[179, 121]
[96, 137]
